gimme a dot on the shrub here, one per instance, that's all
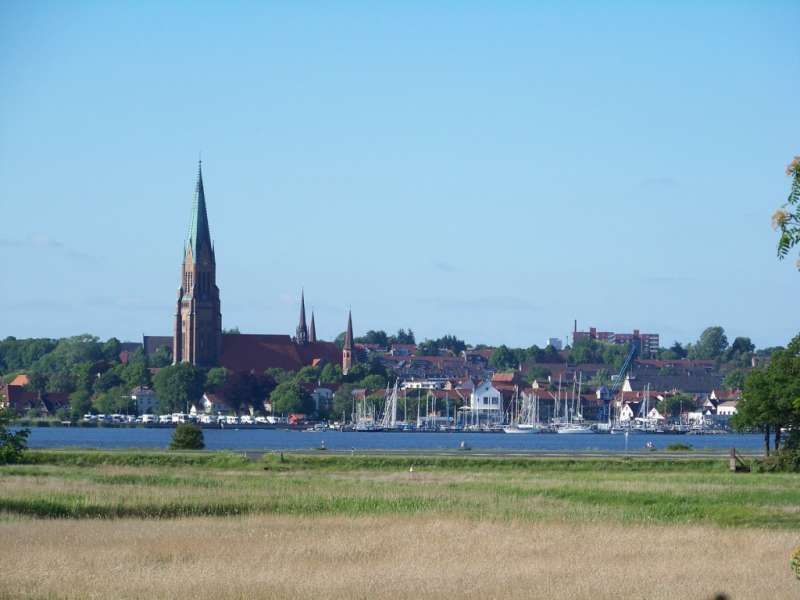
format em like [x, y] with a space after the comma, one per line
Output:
[12, 443]
[783, 461]
[796, 562]
[187, 437]
[679, 447]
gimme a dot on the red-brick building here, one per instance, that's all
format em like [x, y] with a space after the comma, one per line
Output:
[197, 333]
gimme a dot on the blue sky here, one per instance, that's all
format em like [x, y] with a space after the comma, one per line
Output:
[490, 170]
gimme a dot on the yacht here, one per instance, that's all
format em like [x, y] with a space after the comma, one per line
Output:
[575, 428]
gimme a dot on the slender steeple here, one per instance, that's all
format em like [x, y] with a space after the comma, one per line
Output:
[199, 233]
[197, 336]
[302, 330]
[312, 330]
[347, 349]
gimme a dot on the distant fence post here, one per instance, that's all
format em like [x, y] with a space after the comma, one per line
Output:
[736, 463]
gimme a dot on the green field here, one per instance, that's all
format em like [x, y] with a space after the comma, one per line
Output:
[634, 499]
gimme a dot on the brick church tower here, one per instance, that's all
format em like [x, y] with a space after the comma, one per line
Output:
[347, 349]
[198, 318]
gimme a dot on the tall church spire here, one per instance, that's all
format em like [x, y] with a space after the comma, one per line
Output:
[197, 335]
[347, 349]
[312, 330]
[199, 233]
[302, 330]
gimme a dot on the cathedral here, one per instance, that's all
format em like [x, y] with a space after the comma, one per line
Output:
[198, 337]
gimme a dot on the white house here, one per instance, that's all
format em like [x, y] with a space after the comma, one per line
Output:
[215, 404]
[627, 412]
[485, 404]
[655, 415]
[727, 409]
[145, 398]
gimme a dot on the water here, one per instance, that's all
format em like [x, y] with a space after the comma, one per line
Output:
[274, 439]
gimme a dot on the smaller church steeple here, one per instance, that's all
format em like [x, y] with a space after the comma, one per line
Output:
[312, 330]
[347, 349]
[302, 330]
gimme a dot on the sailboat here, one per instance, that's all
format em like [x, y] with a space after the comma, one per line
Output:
[527, 418]
[575, 424]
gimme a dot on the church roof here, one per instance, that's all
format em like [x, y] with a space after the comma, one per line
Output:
[348, 336]
[252, 352]
[199, 232]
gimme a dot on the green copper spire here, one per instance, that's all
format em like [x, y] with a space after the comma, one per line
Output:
[199, 234]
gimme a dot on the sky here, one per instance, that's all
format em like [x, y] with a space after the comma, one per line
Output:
[490, 170]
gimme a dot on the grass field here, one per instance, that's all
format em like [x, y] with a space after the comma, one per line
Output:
[130, 525]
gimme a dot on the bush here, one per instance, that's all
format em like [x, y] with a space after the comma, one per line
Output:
[679, 447]
[796, 562]
[783, 461]
[187, 437]
[12, 443]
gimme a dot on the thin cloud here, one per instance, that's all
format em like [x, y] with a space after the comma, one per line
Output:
[488, 303]
[43, 242]
[444, 266]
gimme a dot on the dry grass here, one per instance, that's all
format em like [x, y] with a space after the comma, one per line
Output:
[387, 557]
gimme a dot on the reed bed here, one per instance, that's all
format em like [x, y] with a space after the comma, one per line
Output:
[388, 556]
[202, 525]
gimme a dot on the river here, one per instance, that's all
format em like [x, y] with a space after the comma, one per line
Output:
[276, 439]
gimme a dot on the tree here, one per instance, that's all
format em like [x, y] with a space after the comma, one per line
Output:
[80, 403]
[428, 348]
[403, 337]
[536, 372]
[177, 386]
[111, 349]
[330, 374]
[601, 377]
[787, 218]
[162, 357]
[61, 382]
[452, 343]
[374, 337]
[215, 379]
[771, 398]
[343, 401]
[243, 389]
[672, 406]
[373, 382]
[290, 397]
[308, 374]
[106, 381]
[278, 375]
[740, 352]
[37, 382]
[711, 345]
[187, 436]
[12, 443]
[503, 357]
[135, 373]
[734, 379]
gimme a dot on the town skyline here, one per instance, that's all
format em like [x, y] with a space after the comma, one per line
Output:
[494, 192]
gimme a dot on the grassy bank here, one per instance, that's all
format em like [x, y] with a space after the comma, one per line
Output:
[125, 524]
[86, 484]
